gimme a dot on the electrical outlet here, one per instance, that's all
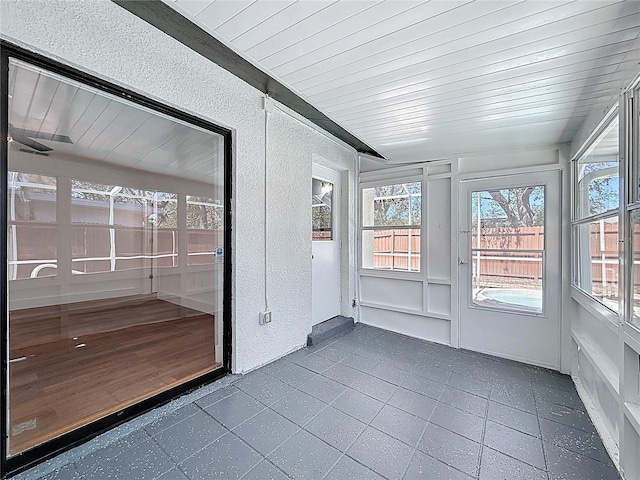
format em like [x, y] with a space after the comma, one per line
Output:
[265, 317]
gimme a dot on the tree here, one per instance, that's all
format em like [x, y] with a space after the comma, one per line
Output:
[602, 186]
[399, 204]
[516, 205]
[511, 207]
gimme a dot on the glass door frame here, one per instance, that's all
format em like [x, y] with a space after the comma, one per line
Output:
[35, 455]
[528, 337]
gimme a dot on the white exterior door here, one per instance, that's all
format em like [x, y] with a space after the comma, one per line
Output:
[325, 212]
[510, 267]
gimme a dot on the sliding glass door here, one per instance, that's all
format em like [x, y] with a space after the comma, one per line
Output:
[116, 224]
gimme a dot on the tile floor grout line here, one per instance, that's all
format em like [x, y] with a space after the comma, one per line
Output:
[484, 432]
[344, 454]
[300, 428]
[424, 429]
[544, 452]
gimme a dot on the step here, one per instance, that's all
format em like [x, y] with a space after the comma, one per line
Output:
[329, 329]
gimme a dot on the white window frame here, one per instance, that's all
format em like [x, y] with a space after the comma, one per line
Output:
[576, 221]
[417, 178]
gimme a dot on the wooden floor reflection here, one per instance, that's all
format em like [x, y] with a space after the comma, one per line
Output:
[72, 364]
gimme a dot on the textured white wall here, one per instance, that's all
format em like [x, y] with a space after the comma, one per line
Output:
[99, 37]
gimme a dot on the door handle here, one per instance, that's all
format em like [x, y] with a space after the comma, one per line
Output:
[461, 261]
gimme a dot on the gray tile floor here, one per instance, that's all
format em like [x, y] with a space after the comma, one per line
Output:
[369, 405]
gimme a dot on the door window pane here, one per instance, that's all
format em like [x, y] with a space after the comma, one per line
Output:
[321, 210]
[507, 248]
[508, 279]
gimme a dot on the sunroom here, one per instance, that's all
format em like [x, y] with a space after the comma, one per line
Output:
[332, 239]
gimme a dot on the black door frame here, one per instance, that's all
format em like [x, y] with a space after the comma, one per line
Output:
[35, 455]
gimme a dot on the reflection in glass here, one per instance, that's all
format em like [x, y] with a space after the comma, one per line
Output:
[321, 210]
[596, 260]
[597, 188]
[114, 203]
[31, 228]
[205, 226]
[635, 271]
[507, 248]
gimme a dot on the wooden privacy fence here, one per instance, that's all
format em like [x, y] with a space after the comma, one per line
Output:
[391, 249]
[508, 252]
[504, 262]
[499, 255]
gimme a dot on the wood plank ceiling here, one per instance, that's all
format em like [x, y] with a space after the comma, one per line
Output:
[108, 130]
[424, 80]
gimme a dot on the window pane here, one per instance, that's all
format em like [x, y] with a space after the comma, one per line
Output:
[91, 248]
[508, 280]
[31, 229]
[32, 198]
[166, 251]
[204, 213]
[166, 205]
[90, 202]
[32, 251]
[130, 248]
[597, 175]
[321, 210]
[635, 272]
[397, 249]
[205, 225]
[202, 247]
[392, 205]
[596, 262]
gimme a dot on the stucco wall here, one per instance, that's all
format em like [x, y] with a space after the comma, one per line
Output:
[99, 37]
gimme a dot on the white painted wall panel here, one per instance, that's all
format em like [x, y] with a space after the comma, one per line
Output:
[426, 328]
[439, 218]
[600, 394]
[403, 294]
[439, 299]
[503, 161]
